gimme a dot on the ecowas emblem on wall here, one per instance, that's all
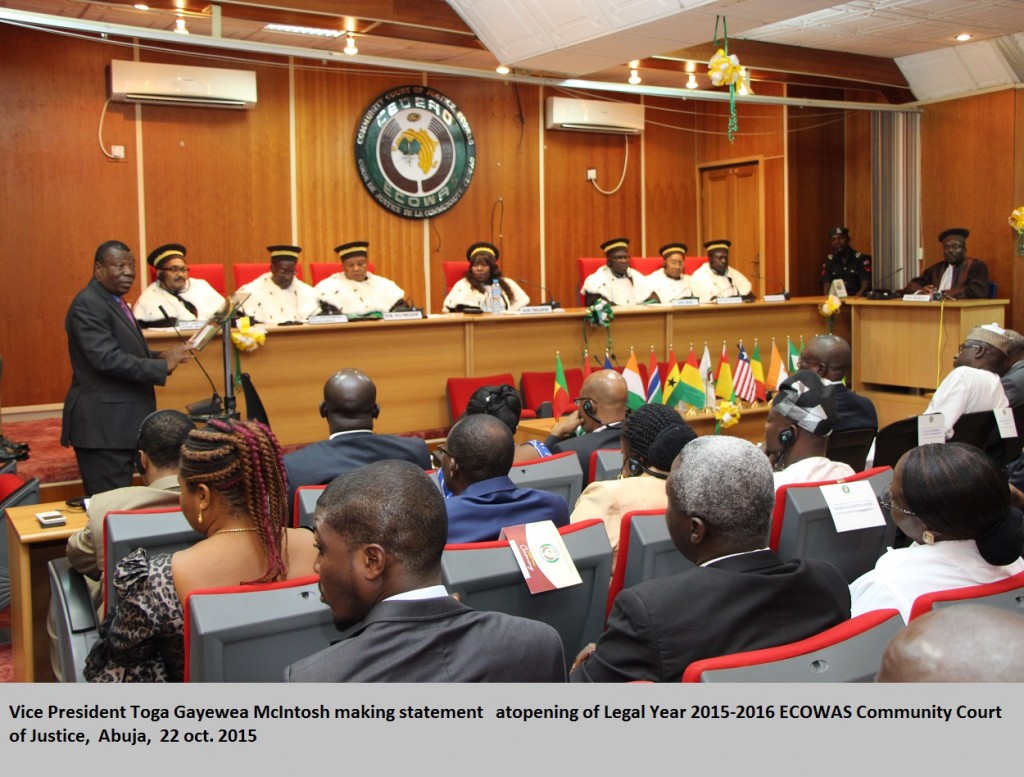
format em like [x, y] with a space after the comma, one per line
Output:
[415, 152]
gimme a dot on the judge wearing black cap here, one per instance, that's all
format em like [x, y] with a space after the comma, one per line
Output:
[617, 282]
[669, 282]
[356, 291]
[278, 297]
[474, 290]
[173, 296]
[957, 276]
[847, 265]
[716, 279]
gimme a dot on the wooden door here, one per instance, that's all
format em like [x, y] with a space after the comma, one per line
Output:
[732, 208]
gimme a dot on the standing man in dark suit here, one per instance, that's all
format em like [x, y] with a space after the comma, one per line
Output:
[113, 373]
[600, 411]
[739, 596]
[380, 532]
[350, 407]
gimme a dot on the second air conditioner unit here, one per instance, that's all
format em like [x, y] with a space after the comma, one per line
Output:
[156, 84]
[567, 113]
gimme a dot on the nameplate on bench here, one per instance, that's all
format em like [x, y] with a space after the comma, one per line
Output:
[339, 319]
[530, 310]
[729, 301]
[403, 315]
[190, 326]
[685, 302]
[774, 298]
[917, 297]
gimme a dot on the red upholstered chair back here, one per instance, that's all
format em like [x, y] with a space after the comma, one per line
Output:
[780, 499]
[453, 272]
[247, 272]
[321, 270]
[9, 483]
[647, 264]
[459, 390]
[211, 273]
[237, 589]
[619, 570]
[849, 652]
[642, 264]
[691, 263]
[539, 387]
[1006, 594]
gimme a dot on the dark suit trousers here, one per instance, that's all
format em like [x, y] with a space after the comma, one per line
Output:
[105, 469]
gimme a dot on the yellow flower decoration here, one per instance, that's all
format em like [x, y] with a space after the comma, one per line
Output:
[248, 338]
[830, 306]
[1017, 219]
[727, 414]
[724, 69]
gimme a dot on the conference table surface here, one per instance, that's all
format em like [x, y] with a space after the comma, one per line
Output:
[411, 360]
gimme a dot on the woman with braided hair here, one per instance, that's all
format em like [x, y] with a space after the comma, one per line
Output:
[233, 492]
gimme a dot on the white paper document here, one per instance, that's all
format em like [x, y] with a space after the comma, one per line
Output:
[853, 505]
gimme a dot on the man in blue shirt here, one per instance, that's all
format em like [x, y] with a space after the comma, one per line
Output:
[476, 459]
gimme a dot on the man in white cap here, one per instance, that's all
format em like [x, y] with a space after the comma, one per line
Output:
[616, 282]
[278, 297]
[356, 291]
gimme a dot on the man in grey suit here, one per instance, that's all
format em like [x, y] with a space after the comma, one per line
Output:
[380, 532]
[739, 595]
[350, 407]
[113, 373]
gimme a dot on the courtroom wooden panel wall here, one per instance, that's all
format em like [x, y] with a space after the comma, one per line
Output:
[670, 185]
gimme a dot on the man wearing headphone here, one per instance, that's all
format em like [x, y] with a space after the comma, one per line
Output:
[157, 452]
[802, 416]
[597, 420]
[350, 407]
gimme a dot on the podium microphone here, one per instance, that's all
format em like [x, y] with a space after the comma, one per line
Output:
[876, 294]
[552, 302]
[208, 407]
[782, 286]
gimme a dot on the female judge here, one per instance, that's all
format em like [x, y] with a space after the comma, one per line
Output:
[475, 289]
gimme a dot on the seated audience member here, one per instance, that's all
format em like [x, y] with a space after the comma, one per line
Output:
[474, 291]
[652, 437]
[278, 297]
[969, 643]
[739, 596]
[503, 403]
[669, 283]
[232, 492]
[715, 279]
[847, 265]
[350, 407]
[802, 416]
[954, 504]
[173, 296]
[974, 384]
[356, 291]
[475, 461]
[158, 452]
[957, 276]
[1013, 378]
[601, 409]
[829, 357]
[380, 532]
[617, 283]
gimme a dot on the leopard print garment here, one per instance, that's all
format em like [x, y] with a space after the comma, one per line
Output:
[142, 640]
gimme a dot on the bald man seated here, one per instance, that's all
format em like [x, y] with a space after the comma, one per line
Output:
[350, 407]
[968, 643]
[600, 412]
[828, 356]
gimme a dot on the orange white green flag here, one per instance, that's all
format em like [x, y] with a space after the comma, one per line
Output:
[777, 371]
[636, 396]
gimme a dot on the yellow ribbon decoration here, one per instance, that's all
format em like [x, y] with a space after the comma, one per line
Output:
[727, 414]
[248, 338]
[1017, 219]
[830, 306]
[724, 69]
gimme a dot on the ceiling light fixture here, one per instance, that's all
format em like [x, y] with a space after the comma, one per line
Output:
[320, 32]
[691, 82]
[179, 26]
[634, 76]
[140, 7]
[350, 45]
[744, 76]
[502, 70]
[964, 36]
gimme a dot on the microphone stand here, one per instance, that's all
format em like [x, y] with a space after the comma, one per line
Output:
[230, 402]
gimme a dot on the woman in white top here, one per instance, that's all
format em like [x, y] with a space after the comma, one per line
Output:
[954, 503]
[475, 288]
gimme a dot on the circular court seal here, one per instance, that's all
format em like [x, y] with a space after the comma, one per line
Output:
[415, 152]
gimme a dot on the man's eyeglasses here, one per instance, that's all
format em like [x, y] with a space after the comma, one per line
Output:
[440, 452]
[177, 270]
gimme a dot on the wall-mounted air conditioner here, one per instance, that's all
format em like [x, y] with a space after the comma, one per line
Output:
[156, 84]
[566, 113]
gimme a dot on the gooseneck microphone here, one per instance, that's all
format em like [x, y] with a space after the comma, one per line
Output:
[877, 293]
[552, 301]
[211, 406]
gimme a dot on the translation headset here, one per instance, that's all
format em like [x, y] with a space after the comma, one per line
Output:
[588, 408]
[636, 469]
[786, 439]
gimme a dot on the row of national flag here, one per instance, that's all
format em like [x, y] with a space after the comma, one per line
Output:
[694, 383]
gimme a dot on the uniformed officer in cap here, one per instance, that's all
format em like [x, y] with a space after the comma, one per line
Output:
[957, 276]
[669, 282]
[278, 296]
[356, 291]
[617, 282]
[716, 280]
[180, 297]
[847, 265]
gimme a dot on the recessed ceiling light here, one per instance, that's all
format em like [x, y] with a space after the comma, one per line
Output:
[179, 26]
[691, 82]
[964, 36]
[502, 70]
[140, 7]
[320, 32]
[634, 77]
[634, 64]
[350, 45]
